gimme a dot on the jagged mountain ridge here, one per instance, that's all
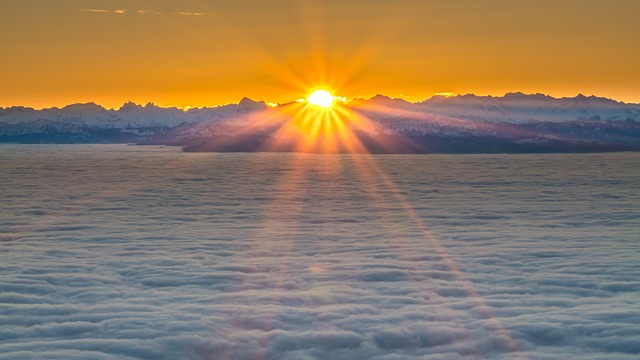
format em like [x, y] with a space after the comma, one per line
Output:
[516, 118]
[510, 108]
[129, 115]
[522, 108]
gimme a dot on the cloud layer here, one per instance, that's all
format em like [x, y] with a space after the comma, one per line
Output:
[116, 252]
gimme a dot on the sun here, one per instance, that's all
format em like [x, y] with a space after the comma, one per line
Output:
[321, 98]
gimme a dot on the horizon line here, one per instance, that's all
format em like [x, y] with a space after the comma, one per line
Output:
[445, 95]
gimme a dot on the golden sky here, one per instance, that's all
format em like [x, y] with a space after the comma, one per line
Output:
[211, 52]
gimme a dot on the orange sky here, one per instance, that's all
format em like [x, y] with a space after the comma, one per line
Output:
[205, 52]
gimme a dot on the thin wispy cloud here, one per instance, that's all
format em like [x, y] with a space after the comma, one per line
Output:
[148, 12]
[188, 13]
[96, 10]
[145, 12]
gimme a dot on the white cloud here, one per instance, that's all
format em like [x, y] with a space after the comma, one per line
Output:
[245, 256]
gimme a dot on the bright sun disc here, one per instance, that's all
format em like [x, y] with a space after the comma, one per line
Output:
[321, 98]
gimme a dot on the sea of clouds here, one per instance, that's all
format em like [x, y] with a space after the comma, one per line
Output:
[124, 252]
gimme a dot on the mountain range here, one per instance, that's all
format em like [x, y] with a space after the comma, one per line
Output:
[513, 123]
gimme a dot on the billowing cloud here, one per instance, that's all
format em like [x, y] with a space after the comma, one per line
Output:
[158, 254]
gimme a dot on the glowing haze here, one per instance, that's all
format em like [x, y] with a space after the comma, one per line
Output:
[203, 53]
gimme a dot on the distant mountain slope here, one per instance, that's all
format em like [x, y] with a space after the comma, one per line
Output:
[129, 115]
[521, 108]
[515, 122]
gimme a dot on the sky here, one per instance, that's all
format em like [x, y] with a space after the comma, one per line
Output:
[204, 53]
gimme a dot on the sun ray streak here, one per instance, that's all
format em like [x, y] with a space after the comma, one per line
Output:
[440, 249]
[303, 128]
